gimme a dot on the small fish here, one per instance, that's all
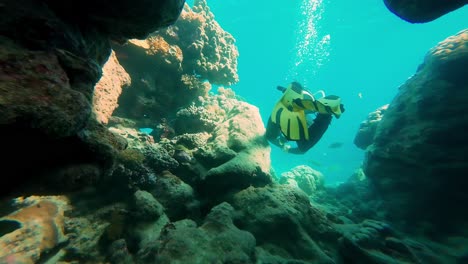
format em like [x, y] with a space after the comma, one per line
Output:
[359, 95]
[146, 130]
[336, 145]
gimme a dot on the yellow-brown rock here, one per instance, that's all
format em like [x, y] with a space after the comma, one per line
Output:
[40, 223]
[108, 89]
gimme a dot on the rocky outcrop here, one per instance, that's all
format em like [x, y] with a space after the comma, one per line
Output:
[218, 148]
[174, 66]
[108, 89]
[422, 11]
[216, 240]
[417, 161]
[50, 60]
[376, 242]
[282, 220]
[236, 155]
[304, 178]
[208, 50]
[367, 128]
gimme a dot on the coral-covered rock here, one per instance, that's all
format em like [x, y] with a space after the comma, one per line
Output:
[376, 242]
[216, 240]
[119, 254]
[177, 197]
[421, 11]
[157, 76]
[108, 89]
[282, 220]
[84, 233]
[143, 158]
[197, 119]
[208, 50]
[352, 200]
[237, 155]
[182, 60]
[304, 178]
[369, 242]
[91, 227]
[146, 206]
[33, 230]
[418, 161]
[366, 132]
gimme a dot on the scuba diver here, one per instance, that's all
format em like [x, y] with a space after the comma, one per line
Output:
[289, 121]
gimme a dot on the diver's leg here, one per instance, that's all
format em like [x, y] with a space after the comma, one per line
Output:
[316, 131]
[273, 133]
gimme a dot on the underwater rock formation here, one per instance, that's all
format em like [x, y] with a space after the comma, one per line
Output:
[217, 240]
[183, 59]
[421, 11]
[285, 224]
[35, 229]
[367, 128]
[376, 242]
[418, 160]
[108, 89]
[352, 200]
[208, 50]
[177, 197]
[304, 178]
[50, 60]
[236, 155]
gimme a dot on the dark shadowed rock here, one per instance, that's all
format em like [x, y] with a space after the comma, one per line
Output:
[376, 242]
[282, 220]
[366, 132]
[421, 11]
[119, 19]
[51, 58]
[418, 161]
[146, 207]
[217, 240]
[177, 197]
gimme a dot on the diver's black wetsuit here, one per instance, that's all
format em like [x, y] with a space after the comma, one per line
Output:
[316, 131]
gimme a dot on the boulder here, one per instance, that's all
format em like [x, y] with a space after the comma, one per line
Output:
[284, 223]
[304, 178]
[217, 240]
[417, 161]
[422, 11]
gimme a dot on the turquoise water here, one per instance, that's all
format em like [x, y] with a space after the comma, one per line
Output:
[342, 47]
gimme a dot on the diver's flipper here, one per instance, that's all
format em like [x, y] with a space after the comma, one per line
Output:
[293, 124]
[332, 104]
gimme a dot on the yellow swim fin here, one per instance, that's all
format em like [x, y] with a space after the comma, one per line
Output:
[291, 120]
[332, 104]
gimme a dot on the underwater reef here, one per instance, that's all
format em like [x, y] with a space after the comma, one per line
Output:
[118, 150]
[417, 160]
